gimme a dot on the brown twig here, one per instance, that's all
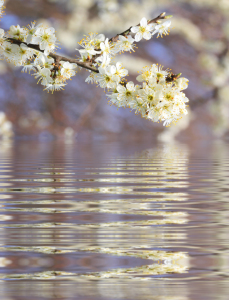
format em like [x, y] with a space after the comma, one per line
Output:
[115, 38]
[155, 20]
[87, 64]
[57, 58]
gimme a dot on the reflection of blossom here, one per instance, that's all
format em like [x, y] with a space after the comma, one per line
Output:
[176, 259]
[5, 217]
[4, 262]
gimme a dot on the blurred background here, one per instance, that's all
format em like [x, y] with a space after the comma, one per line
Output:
[198, 47]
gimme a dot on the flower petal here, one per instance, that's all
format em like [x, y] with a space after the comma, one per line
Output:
[143, 22]
[150, 27]
[111, 70]
[124, 72]
[155, 31]
[139, 78]
[122, 38]
[167, 23]
[43, 45]
[147, 35]
[102, 46]
[130, 39]
[101, 70]
[130, 86]
[121, 89]
[118, 65]
[50, 30]
[138, 36]
[40, 31]
[135, 29]
[100, 37]
[116, 78]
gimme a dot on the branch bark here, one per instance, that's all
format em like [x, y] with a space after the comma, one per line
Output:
[57, 58]
[88, 64]
[155, 20]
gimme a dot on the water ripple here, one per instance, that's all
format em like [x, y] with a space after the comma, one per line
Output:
[153, 220]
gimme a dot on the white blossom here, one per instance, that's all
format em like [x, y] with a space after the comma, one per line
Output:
[152, 74]
[139, 106]
[170, 93]
[28, 67]
[91, 78]
[126, 94]
[55, 85]
[103, 60]
[67, 71]
[181, 83]
[142, 31]
[45, 38]
[44, 75]
[91, 45]
[106, 48]
[107, 78]
[156, 98]
[44, 61]
[158, 73]
[150, 96]
[120, 71]
[18, 33]
[88, 52]
[31, 32]
[84, 55]
[162, 28]
[23, 54]
[124, 43]
[114, 98]
[146, 75]
[10, 51]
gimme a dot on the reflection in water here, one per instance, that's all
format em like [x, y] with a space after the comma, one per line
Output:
[116, 226]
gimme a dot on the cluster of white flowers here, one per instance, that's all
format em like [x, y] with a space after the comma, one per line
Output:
[19, 53]
[24, 51]
[156, 99]
[159, 98]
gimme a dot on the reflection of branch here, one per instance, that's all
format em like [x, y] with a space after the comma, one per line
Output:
[137, 273]
[167, 262]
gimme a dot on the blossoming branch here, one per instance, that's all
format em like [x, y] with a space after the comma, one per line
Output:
[158, 95]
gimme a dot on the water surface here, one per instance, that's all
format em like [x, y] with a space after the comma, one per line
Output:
[113, 221]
